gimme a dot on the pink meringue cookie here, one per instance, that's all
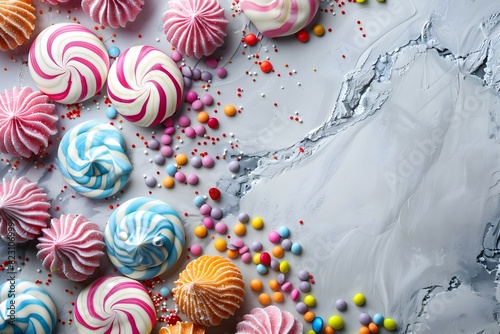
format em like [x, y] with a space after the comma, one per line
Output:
[71, 247]
[195, 27]
[269, 320]
[23, 210]
[113, 13]
[26, 121]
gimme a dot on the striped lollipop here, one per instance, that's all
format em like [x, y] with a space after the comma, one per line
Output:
[114, 304]
[92, 159]
[26, 308]
[68, 63]
[275, 18]
[145, 85]
[144, 238]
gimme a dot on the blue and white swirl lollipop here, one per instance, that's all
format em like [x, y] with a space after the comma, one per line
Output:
[92, 159]
[144, 237]
[26, 308]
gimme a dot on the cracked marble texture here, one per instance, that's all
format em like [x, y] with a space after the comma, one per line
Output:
[395, 171]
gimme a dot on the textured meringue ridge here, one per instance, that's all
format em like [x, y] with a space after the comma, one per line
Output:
[71, 247]
[196, 28]
[210, 289]
[269, 320]
[23, 210]
[27, 120]
[112, 13]
[17, 24]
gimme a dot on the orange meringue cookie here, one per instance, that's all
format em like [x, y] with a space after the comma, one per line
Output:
[182, 328]
[210, 289]
[17, 21]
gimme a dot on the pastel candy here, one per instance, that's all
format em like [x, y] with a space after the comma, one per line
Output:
[275, 18]
[92, 159]
[145, 85]
[113, 13]
[269, 320]
[35, 311]
[144, 237]
[114, 304]
[68, 63]
[17, 24]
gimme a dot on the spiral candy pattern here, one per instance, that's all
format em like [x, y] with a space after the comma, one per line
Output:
[68, 63]
[144, 237]
[35, 311]
[275, 18]
[145, 85]
[114, 304]
[92, 159]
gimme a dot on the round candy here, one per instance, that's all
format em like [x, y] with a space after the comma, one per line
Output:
[200, 231]
[92, 159]
[276, 18]
[378, 319]
[233, 166]
[144, 238]
[145, 85]
[256, 246]
[341, 305]
[199, 201]
[265, 258]
[243, 217]
[165, 292]
[303, 275]
[284, 267]
[390, 324]
[31, 307]
[296, 248]
[286, 244]
[301, 308]
[256, 284]
[317, 324]
[68, 63]
[239, 229]
[359, 299]
[309, 300]
[274, 237]
[364, 319]
[284, 231]
[109, 304]
[220, 227]
[336, 322]
[257, 223]
[261, 269]
[220, 244]
[305, 286]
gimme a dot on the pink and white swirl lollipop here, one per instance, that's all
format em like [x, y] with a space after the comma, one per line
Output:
[114, 304]
[68, 63]
[145, 85]
[275, 18]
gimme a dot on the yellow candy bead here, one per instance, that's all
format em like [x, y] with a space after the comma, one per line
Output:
[181, 159]
[309, 300]
[359, 299]
[284, 267]
[311, 332]
[200, 231]
[257, 223]
[390, 324]
[203, 117]
[336, 322]
[256, 258]
[239, 229]
[229, 110]
[220, 244]
[319, 30]
[168, 182]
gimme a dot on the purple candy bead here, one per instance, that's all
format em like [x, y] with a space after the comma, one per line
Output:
[364, 319]
[234, 167]
[153, 144]
[275, 264]
[341, 305]
[301, 307]
[206, 76]
[186, 71]
[195, 74]
[243, 217]
[304, 286]
[187, 82]
[303, 275]
[286, 244]
[216, 213]
[256, 246]
[281, 278]
[196, 162]
[150, 181]
[159, 159]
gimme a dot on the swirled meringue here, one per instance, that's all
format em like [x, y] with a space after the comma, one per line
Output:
[114, 304]
[23, 210]
[182, 328]
[210, 289]
[144, 238]
[195, 27]
[17, 24]
[26, 121]
[71, 247]
[92, 159]
[269, 320]
[112, 13]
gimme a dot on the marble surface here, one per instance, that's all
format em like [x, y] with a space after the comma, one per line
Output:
[393, 169]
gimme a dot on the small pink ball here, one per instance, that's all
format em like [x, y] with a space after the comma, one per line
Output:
[189, 132]
[207, 99]
[196, 249]
[200, 130]
[192, 179]
[207, 161]
[208, 222]
[191, 96]
[180, 176]
[205, 209]
[246, 258]
[197, 105]
[165, 139]
[166, 151]
[274, 237]
[221, 228]
[184, 121]
[294, 295]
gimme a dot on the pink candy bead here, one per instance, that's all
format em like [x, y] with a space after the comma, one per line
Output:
[244, 250]
[200, 130]
[221, 228]
[205, 209]
[166, 151]
[213, 123]
[207, 99]
[170, 130]
[207, 161]
[192, 179]
[211, 62]
[208, 222]
[238, 242]
[165, 139]
[184, 121]
[274, 237]
[191, 96]
[176, 55]
[196, 250]
[286, 286]
[180, 176]
[197, 105]
[294, 295]
[189, 132]
[169, 122]
[246, 258]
